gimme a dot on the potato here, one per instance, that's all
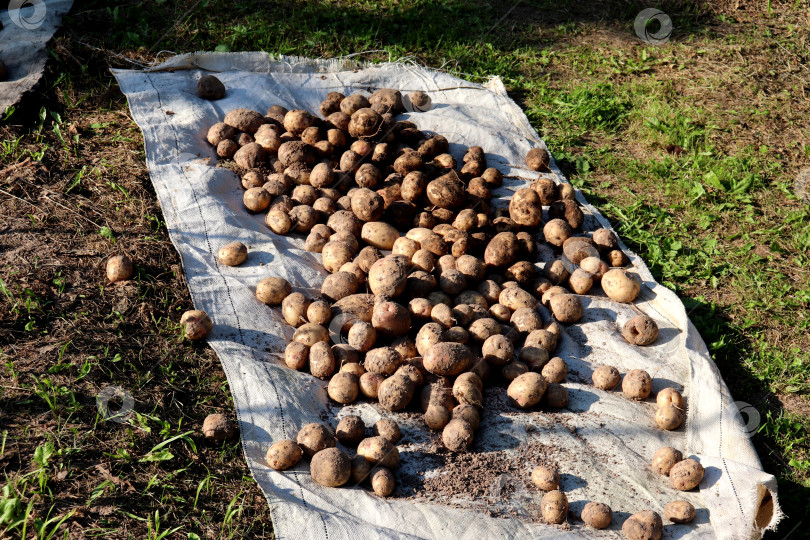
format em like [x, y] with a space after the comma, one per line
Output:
[321, 360]
[605, 240]
[447, 191]
[646, 525]
[382, 360]
[515, 298]
[231, 254]
[367, 205]
[382, 482]
[361, 469]
[362, 336]
[346, 354]
[669, 417]
[538, 159]
[343, 387]
[502, 250]
[555, 370]
[525, 208]
[498, 350]
[273, 290]
[379, 235]
[546, 188]
[388, 430]
[217, 427]
[335, 254]
[379, 451]
[490, 290]
[294, 307]
[319, 313]
[405, 246]
[569, 211]
[330, 467]
[297, 120]
[534, 356]
[355, 369]
[620, 285]
[312, 438]
[467, 390]
[350, 430]
[309, 334]
[344, 221]
[443, 315]
[546, 299]
[452, 282]
[481, 329]
[580, 281]
[669, 396]
[279, 221]
[595, 266]
[244, 120]
[196, 324]
[304, 194]
[365, 123]
[566, 308]
[468, 413]
[527, 390]
[637, 384]
[457, 435]
[296, 355]
[555, 396]
[664, 459]
[554, 507]
[640, 330]
[597, 515]
[471, 267]
[396, 392]
[220, 132]
[303, 218]
[417, 101]
[617, 258]
[339, 285]
[679, 512]
[525, 320]
[119, 268]
[546, 478]
[500, 313]
[389, 276]
[227, 148]
[370, 384]
[447, 359]
[283, 454]
[543, 338]
[428, 335]
[420, 284]
[606, 377]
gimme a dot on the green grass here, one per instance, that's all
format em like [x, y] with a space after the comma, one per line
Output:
[690, 148]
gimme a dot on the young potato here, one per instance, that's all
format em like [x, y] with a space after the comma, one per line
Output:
[468, 413]
[345, 221]
[350, 430]
[669, 396]
[315, 242]
[457, 435]
[640, 330]
[343, 387]
[383, 360]
[330, 467]
[526, 208]
[370, 384]
[355, 369]
[437, 417]
[312, 438]
[595, 266]
[546, 478]
[620, 285]
[447, 359]
[481, 329]
[580, 281]
[606, 377]
[637, 384]
[566, 308]
[679, 512]
[232, 254]
[339, 285]
[273, 290]
[296, 355]
[452, 282]
[534, 356]
[379, 451]
[196, 324]
[554, 507]
[321, 360]
[664, 458]
[220, 132]
[446, 191]
[283, 454]
[304, 218]
[388, 430]
[362, 336]
[542, 338]
[467, 390]
[669, 417]
[646, 525]
[227, 148]
[391, 319]
[527, 390]
[382, 482]
[597, 515]
[334, 255]
[555, 370]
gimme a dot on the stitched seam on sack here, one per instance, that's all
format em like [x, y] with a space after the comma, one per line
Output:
[723, 459]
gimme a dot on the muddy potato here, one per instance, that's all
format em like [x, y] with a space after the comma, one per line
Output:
[538, 159]
[345, 221]
[304, 194]
[335, 254]
[568, 210]
[481, 329]
[605, 240]
[447, 359]
[679, 512]
[389, 276]
[227, 148]
[294, 308]
[464, 314]
[367, 205]
[468, 413]
[379, 451]
[534, 356]
[388, 429]
[490, 290]
[527, 389]
[669, 417]
[498, 350]
[380, 235]
[339, 285]
[312, 438]
[343, 387]
[597, 515]
[396, 392]
[273, 290]
[296, 355]
[413, 186]
[637, 384]
[283, 454]
[556, 271]
[550, 293]
[350, 430]
[646, 525]
[330, 467]
[370, 384]
[443, 315]
[546, 188]
[365, 123]
[515, 298]
[278, 221]
[467, 389]
[554, 507]
[362, 336]
[664, 459]
[405, 246]
[555, 370]
[546, 478]
[472, 268]
[580, 281]
[428, 335]
[355, 369]
[382, 482]
[420, 284]
[525, 320]
[452, 282]
[382, 360]
[244, 120]
[577, 249]
[606, 377]
[304, 218]
[196, 324]
[220, 132]
[321, 360]
[446, 191]
[361, 469]
[526, 208]
[640, 330]
[119, 268]
[513, 370]
[457, 435]
[256, 199]
[543, 338]
[555, 396]
[502, 250]
[620, 285]
[315, 242]
[566, 308]
[669, 396]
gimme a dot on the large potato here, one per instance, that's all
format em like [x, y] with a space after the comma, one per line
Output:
[502, 250]
[447, 359]
[379, 451]
[379, 234]
[330, 467]
[391, 319]
[389, 276]
[527, 389]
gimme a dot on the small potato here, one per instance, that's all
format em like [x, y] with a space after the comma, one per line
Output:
[297, 120]
[388, 429]
[605, 240]
[679, 512]
[686, 475]
[383, 360]
[640, 330]
[534, 356]
[437, 417]
[447, 191]
[457, 334]
[580, 281]
[310, 333]
[420, 308]
[606, 377]
[595, 266]
[566, 308]
[278, 221]
[294, 308]
[361, 469]
[557, 231]
[283, 454]
[339, 285]
[457, 435]
[538, 159]
[343, 387]
[330, 467]
[646, 525]
[637, 384]
[382, 482]
[447, 359]
[350, 430]
[379, 451]
[405, 347]
[542, 338]
[669, 396]
[568, 210]
[669, 417]
[527, 390]
[555, 396]
[468, 413]
[362, 336]
[232, 254]
[391, 319]
[555, 370]
[273, 290]
[597, 515]
[319, 312]
[119, 268]
[617, 258]
[312, 438]
[227, 148]
[303, 218]
[220, 132]
[664, 458]
[217, 427]
[554, 507]
[370, 384]
[546, 478]
[498, 350]
[256, 199]
[620, 285]
[428, 335]
[296, 355]
[196, 324]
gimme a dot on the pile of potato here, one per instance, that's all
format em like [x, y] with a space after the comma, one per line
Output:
[432, 292]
